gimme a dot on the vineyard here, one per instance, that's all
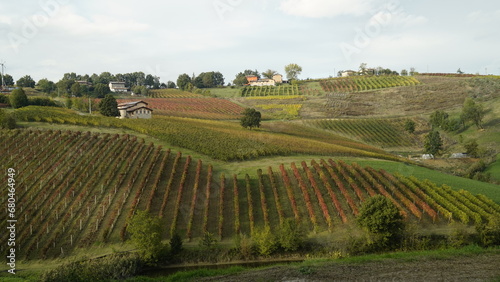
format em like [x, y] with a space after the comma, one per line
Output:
[77, 189]
[380, 132]
[281, 90]
[172, 93]
[363, 83]
[220, 140]
[200, 107]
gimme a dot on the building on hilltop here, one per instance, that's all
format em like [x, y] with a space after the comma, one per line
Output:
[117, 86]
[255, 81]
[137, 109]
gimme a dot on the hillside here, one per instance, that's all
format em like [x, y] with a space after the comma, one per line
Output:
[77, 190]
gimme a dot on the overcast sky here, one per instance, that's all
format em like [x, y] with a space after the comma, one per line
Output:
[47, 38]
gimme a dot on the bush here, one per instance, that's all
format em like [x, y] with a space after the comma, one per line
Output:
[489, 233]
[46, 102]
[4, 99]
[264, 240]
[291, 235]
[18, 98]
[145, 233]
[382, 219]
[113, 267]
[208, 241]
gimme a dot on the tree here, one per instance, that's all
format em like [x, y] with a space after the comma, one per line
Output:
[76, 89]
[410, 126]
[18, 99]
[382, 219]
[46, 85]
[241, 77]
[473, 112]
[175, 244]
[26, 81]
[264, 240]
[404, 72]
[251, 118]
[171, 84]
[432, 143]
[439, 118]
[145, 233]
[459, 71]
[471, 148]
[100, 90]
[269, 73]
[183, 80]
[108, 106]
[291, 235]
[362, 68]
[412, 71]
[292, 71]
[8, 80]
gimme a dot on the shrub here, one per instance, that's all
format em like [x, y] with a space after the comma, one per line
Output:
[382, 219]
[489, 233]
[113, 267]
[291, 235]
[264, 240]
[145, 233]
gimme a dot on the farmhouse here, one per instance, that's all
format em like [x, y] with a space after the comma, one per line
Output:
[255, 81]
[117, 86]
[137, 109]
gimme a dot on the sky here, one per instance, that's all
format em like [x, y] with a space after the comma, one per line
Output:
[47, 38]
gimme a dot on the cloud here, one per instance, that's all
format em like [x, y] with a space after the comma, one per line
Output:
[325, 8]
[68, 20]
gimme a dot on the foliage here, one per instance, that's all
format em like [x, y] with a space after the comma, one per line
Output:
[112, 267]
[241, 77]
[183, 81]
[4, 99]
[433, 143]
[208, 241]
[410, 126]
[175, 244]
[145, 231]
[7, 121]
[8, 80]
[379, 216]
[471, 148]
[26, 81]
[18, 98]
[264, 240]
[269, 73]
[42, 101]
[251, 118]
[101, 90]
[292, 71]
[291, 236]
[46, 85]
[108, 106]
[489, 232]
[473, 112]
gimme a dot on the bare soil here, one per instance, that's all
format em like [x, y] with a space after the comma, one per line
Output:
[470, 268]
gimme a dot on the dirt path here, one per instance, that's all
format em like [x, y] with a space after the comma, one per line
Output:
[472, 268]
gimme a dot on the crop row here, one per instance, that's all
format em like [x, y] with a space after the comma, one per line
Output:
[381, 132]
[91, 185]
[281, 90]
[363, 83]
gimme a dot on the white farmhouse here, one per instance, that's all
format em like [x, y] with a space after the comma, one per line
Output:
[137, 109]
[117, 86]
